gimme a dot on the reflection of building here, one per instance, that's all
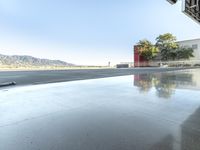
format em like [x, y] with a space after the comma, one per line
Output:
[187, 84]
[185, 133]
[143, 81]
[166, 83]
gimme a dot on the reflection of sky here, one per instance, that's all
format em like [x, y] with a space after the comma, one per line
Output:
[113, 105]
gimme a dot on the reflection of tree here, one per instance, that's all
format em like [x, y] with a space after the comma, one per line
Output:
[165, 90]
[165, 84]
[144, 82]
[168, 83]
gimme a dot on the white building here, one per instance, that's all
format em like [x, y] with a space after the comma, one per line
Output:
[195, 44]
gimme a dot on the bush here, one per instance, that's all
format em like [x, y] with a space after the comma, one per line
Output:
[186, 65]
[197, 65]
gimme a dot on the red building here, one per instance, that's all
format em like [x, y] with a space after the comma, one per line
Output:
[139, 61]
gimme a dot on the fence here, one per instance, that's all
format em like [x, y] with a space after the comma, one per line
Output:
[181, 63]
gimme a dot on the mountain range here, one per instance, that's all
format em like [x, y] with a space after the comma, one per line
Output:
[24, 61]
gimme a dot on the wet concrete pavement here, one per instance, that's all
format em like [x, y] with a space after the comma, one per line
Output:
[138, 112]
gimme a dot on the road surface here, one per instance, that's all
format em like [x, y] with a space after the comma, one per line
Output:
[52, 76]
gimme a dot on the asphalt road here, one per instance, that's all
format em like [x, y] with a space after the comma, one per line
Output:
[51, 76]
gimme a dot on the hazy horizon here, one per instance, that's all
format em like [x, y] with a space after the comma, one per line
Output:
[88, 32]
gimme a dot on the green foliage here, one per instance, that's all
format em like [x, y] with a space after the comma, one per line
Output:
[185, 53]
[167, 45]
[147, 49]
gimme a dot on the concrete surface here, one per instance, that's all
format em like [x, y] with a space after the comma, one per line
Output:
[40, 77]
[104, 114]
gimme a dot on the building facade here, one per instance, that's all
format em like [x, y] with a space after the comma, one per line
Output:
[195, 44]
[139, 61]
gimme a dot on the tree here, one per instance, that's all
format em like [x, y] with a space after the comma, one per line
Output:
[185, 53]
[167, 45]
[147, 49]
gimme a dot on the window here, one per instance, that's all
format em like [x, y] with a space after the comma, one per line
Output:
[195, 46]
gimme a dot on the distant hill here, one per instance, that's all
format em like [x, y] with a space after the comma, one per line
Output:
[21, 61]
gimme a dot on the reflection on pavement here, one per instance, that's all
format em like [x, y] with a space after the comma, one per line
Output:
[166, 83]
[165, 86]
[108, 113]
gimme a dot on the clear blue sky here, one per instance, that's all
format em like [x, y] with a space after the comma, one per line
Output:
[87, 32]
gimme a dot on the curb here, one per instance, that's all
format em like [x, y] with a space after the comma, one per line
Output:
[7, 84]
